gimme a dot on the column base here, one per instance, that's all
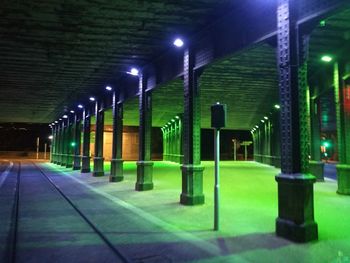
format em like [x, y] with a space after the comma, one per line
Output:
[69, 163]
[144, 176]
[85, 164]
[98, 167]
[76, 162]
[116, 170]
[343, 175]
[295, 220]
[316, 168]
[192, 185]
[63, 160]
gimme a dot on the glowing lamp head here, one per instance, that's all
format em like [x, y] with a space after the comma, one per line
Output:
[326, 58]
[72, 111]
[92, 99]
[56, 121]
[80, 106]
[277, 106]
[72, 144]
[109, 88]
[50, 137]
[178, 42]
[266, 118]
[256, 126]
[134, 72]
[64, 116]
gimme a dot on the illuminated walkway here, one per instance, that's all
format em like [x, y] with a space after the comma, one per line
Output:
[152, 226]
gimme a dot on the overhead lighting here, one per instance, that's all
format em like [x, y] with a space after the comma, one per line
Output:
[56, 121]
[178, 42]
[64, 116]
[262, 121]
[277, 106]
[60, 119]
[266, 118]
[50, 137]
[92, 99]
[109, 88]
[326, 58]
[134, 72]
[80, 106]
[72, 111]
[256, 126]
[177, 117]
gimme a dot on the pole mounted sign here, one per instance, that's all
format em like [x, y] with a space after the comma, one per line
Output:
[218, 121]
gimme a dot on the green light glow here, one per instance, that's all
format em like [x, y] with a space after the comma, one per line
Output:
[73, 144]
[266, 118]
[326, 58]
[326, 144]
[323, 23]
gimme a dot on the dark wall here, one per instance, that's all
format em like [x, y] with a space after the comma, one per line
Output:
[226, 144]
[22, 137]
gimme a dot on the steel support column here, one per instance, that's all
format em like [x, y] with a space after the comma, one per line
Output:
[59, 143]
[77, 143]
[99, 129]
[295, 187]
[342, 104]
[69, 145]
[53, 143]
[316, 165]
[85, 160]
[144, 164]
[64, 142]
[192, 170]
[117, 144]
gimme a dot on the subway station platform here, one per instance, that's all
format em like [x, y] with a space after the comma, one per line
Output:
[66, 216]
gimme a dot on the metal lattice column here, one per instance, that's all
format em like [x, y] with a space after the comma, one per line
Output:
[117, 144]
[295, 187]
[53, 144]
[144, 164]
[69, 145]
[192, 170]
[342, 103]
[77, 142]
[85, 160]
[316, 166]
[99, 129]
[59, 143]
[64, 143]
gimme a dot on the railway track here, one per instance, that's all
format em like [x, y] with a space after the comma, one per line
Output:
[12, 244]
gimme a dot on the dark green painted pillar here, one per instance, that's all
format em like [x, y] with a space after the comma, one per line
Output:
[85, 160]
[181, 159]
[53, 143]
[77, 143]
[144, 164]
[192, 170]
[164, 135]
[295, 186]
[117, 144]
[316, 165]
[64, 142]
[276, 135]
[342, 105]
[99, 129]
[59, 142]
[69, 145]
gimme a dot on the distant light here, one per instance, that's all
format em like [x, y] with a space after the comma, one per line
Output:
[73, 144]
[64, 116]
[172, 120]
[50, 137]
[72, 111]
[56, 121]
[277, 106]
[266, 118]
[177, 117]
[80, 106]
[178, 42]
[262, 121]
[323, 23]
[109, 88]
[92, 99]
[256, 126]
[134, 72]
[60, 119]
[326, 58]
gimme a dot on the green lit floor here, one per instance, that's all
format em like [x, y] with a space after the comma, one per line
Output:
[248, 208]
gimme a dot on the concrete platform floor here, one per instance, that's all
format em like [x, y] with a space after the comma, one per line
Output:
[152, 226]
